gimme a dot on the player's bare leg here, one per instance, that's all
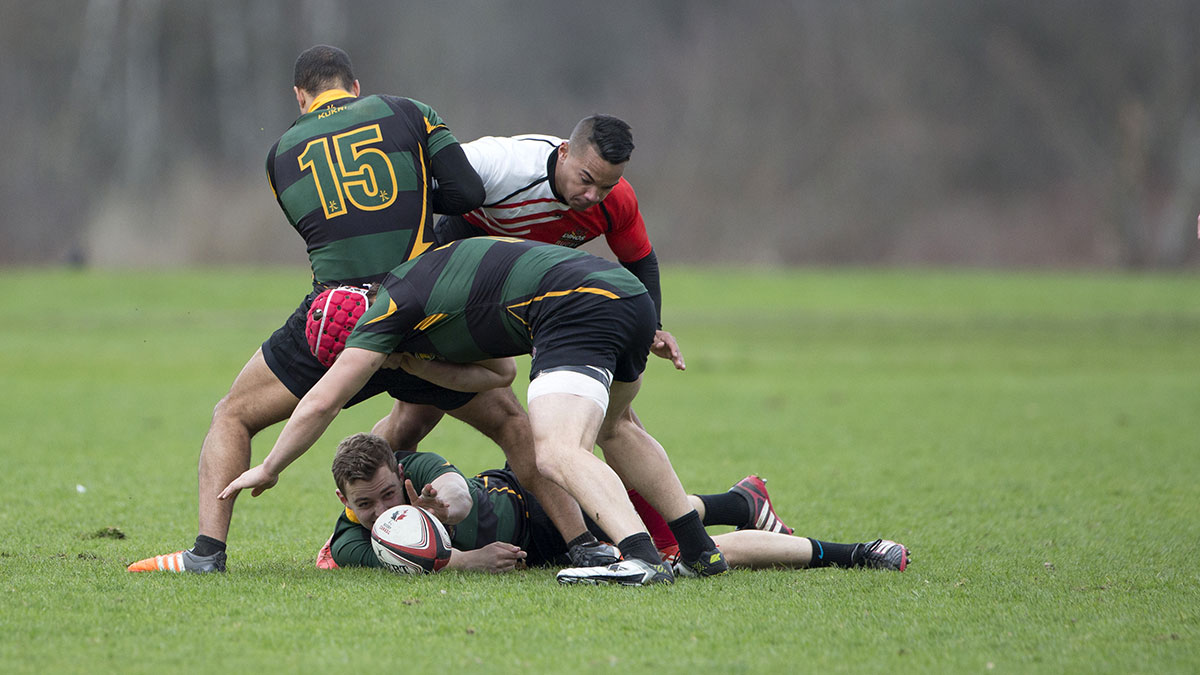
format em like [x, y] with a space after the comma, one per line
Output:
[644, 466]
[637, 457]
[498, 415]
[564, 431]
[407, 425]
[256, 400]
[755, 549]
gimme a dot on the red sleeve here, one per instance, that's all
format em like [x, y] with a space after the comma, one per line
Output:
[627, 238]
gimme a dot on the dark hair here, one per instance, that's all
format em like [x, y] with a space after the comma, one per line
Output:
[323, 67]
[358, 457]
[609, 135]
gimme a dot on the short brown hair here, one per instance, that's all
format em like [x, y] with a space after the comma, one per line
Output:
[358, 457]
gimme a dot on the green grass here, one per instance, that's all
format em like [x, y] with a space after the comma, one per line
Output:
[1030, 436]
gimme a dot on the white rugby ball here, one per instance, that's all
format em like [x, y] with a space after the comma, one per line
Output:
[409, 540]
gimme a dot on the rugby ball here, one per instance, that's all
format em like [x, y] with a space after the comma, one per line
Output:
[409, 540]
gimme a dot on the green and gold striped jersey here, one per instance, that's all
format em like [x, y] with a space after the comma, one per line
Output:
[352, 175]
[498, 514]
[483, 298]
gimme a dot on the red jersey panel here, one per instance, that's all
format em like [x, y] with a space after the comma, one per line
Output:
[517, 175]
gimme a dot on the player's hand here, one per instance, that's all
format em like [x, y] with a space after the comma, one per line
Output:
[428, 500]
[496, 558]
[257, 478]
[665, 347]
[401, 361]
[394, 361]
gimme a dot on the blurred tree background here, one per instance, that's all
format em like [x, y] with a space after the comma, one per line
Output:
[1000, 133]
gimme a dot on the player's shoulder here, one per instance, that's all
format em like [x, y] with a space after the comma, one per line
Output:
[529, 145]
[509, 162]
[400, 104]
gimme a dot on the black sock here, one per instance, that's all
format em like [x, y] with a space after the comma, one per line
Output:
[585, 538]
[726, 508]
[828, 554]
[206, 546]
[641, 547]
[691, 535]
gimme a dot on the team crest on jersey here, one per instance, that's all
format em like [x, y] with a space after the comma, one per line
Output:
[574, 239]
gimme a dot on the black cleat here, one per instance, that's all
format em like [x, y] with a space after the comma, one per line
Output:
[593, 554]
[710, 564]
[883, 554]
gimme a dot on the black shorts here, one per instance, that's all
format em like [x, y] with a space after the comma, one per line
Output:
[288, 356]
[537, 536]
[595, 331]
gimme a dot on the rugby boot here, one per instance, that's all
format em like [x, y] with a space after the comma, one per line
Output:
[882, 554]
[709, 564]
[593, 554]
[325, 556]
[181, 561]
[632, 572]
[762, 513]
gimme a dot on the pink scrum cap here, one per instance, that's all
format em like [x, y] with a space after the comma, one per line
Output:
[331, 317]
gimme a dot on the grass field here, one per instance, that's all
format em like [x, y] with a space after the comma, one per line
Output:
[1031, 437]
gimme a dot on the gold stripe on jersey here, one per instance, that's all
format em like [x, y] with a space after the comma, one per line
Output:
[557, 294]
[502, 489]
[430, 128]
[391, 310]
[430, 320]
[419, 243]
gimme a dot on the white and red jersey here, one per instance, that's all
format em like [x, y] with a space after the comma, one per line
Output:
[518, 178]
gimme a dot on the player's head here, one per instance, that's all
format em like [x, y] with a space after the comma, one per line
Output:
[369, 479]
[610, 136]
[332, 317]
[592, 161]
[323, 67]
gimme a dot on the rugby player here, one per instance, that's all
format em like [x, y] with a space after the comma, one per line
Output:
[559, 191]
[588, 323]
[496, 527]
[354, 175]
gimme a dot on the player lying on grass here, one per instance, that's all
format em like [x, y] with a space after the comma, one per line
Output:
[496, 526]
[587, 322]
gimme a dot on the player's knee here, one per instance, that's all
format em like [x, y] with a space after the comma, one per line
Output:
[615, 429]
[552, 466]
[225, 409]
[233, 410]
[504, 424]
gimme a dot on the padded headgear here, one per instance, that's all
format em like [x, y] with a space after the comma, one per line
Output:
[331, 317]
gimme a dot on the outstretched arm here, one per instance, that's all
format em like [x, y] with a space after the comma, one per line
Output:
[310, 419]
